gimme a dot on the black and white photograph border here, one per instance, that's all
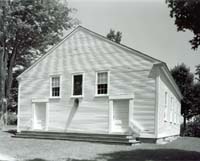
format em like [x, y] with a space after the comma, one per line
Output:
[99, 80]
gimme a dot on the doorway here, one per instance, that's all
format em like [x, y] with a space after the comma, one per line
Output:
[39, 116]
[120, 116]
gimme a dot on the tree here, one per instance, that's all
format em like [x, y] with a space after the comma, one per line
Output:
[187, 14]
[197, 72]
[185, 80]
[27, 29]
[196, 99]
[116, 37]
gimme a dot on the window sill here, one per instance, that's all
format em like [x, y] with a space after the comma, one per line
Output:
[78, 96]
[102, 95]
[54, 98]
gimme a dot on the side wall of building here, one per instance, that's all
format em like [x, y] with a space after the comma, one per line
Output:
[169, 109]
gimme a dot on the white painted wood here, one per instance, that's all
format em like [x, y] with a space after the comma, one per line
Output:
[110, 116]
[33, 116]
[120, 116]
[131, 106]
[122, 96]
[47, 116]
[40, 119]
[129, 73]
[169, 126]
[18, 107]
[157, 102]
[35, 100]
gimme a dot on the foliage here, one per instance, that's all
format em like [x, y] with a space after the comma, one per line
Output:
[184, 79]
[13, 98]
[192, 128]
[197, 72]
[12, 118]
[196, 99]
[27, 29]
[116, 37]
[186, 14]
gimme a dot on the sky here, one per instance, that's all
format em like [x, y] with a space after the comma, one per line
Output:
[145, 25]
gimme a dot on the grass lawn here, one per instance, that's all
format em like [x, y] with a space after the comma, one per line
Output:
[182, 149]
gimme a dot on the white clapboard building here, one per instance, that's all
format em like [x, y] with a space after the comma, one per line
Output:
[90, 85]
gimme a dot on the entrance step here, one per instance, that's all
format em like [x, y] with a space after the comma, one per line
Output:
[88, 137]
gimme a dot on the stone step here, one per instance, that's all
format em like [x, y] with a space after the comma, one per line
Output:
[125, 142]
[77, 134]
[101, 138]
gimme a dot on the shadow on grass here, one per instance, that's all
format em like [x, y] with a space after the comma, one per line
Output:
[152, 155]
[11, 131]
[144, 155]
[36, 159]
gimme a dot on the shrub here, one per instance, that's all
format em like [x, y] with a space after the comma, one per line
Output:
[192, 128]
[12, 118]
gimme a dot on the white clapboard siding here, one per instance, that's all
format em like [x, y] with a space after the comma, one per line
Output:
[84, 52]
[166, 127]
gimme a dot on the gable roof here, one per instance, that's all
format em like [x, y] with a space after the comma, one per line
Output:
[96, 35]
[124, 47]
[166, 72]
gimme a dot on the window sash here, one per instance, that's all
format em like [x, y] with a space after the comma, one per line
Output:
[102, 83]
[172, 108]
[55, 86]
[77, 85]
[165, 106]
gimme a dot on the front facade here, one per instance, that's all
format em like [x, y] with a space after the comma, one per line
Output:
[88, 84]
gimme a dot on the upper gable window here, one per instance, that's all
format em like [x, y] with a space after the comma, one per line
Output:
[55, 86]
[77, 86]
[102, 83]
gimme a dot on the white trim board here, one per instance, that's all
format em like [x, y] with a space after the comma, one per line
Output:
[122, 96]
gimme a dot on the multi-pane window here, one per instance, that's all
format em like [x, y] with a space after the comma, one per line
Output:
[171, 110]
[55, 86]
[165, 106]
[77, 85]
[175, 112]
[102, 83]
[178, 114]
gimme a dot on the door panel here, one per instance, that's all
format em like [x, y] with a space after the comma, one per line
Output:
[120, 115]
[40, 116]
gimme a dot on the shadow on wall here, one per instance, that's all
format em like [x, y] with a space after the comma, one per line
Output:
[72, 113]
[145, 155]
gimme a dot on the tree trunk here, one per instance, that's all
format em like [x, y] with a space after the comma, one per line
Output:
[3, 100]
[10, 74]
[3, 70]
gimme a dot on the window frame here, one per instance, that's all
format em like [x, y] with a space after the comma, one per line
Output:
[171, 110]
[166, 105]
[72, 87]
[60, 82]
[108, 83]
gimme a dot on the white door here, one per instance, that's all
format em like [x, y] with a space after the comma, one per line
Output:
[40, 116]
[120, 116]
